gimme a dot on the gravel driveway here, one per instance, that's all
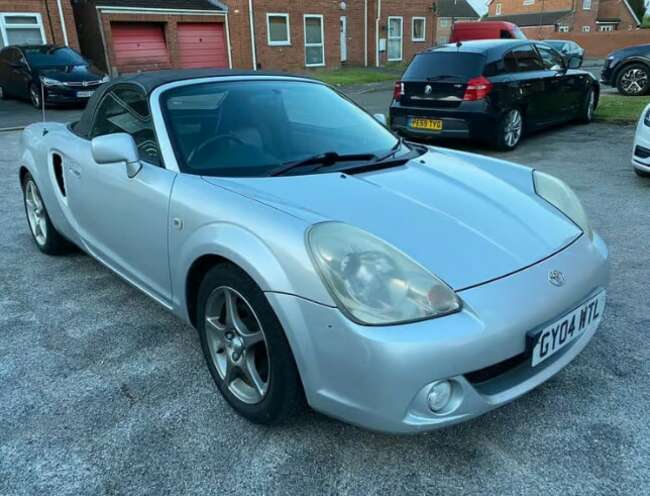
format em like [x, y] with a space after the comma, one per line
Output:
[103, 392]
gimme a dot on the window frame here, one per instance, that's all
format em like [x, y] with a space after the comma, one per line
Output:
[586, 4]
[563, 28]
[606, 28]
[312, 45]
[424, 29]
[4, 28]
[401, 38]
[529, 2]
[137, 89]
[586, 29]
[497, 9]
[540, 47]
[444, 22]
[268, 29]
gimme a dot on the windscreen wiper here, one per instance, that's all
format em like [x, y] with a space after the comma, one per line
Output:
[321, 159]
[392, 151]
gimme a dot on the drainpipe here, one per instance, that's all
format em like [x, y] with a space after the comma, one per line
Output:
[251, 20]
[63, 28]
[377, 33]
[365, 33]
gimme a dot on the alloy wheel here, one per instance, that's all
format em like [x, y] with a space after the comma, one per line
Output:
[35, 213]
[35, 97]
[513, 128]
[634, 81]
[237, 345]
[590, 105]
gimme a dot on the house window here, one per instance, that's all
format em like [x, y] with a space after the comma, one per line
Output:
[563, 29]
[21, 29]
[586, 29]
[277, 27]
[606, 28]
[529, 2]
[444, 22]
[586, 4]
[314, 41]
[419, 29]
[498, 9]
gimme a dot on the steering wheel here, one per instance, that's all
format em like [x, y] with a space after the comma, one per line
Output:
[226, 136]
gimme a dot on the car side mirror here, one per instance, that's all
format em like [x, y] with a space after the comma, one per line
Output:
[116, 148]
[381, 118]
[574, 62]
[17, 65]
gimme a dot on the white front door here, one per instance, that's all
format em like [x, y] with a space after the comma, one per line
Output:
[395, 38]
[344, 39]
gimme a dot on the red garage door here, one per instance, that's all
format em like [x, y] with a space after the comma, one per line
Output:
[138, 45]
[202, 45]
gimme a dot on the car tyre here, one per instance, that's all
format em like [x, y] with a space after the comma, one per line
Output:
[586, 114]
[510, 129]
[35, 96]
[633, 80]
[641, 173]
[245, 347]
[44, 234]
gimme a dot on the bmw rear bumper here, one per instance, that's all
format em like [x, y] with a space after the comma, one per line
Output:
[378, 377]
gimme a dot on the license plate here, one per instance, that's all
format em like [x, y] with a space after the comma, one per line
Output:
[573, 325]
[429, 124]
[84, 94]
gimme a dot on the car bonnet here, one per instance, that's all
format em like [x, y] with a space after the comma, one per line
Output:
[462, 222]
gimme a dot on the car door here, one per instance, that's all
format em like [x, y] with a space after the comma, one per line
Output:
[124, 221]
[534, 84]
[14, 74]
[560, 82]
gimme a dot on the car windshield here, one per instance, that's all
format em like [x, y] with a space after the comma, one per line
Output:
[253, 128]
[53, 57]
[445, 65]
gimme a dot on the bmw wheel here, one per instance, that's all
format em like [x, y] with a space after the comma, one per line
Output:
[245, 347]
[586, 114]
[509, 130]
[634, 80]
[45, 235]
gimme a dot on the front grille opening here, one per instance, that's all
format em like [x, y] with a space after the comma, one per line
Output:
[641, 152]
[489, 373]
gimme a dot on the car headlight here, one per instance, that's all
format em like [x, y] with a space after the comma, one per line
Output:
[646, 119]
[105, 79]
[50, 82]
[374, 283]
[558, 194]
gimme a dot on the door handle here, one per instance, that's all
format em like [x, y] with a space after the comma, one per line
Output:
[76, 172]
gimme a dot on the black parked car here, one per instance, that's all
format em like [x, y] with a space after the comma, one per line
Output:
[61, 74]
[491, 90]
[568, 48]
[629, 70]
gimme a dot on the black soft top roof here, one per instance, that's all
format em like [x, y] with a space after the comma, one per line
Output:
[149, 81]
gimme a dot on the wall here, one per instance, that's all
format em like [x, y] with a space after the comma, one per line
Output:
[50, 15]
[518, 7]
[539, 33]
[599, 45]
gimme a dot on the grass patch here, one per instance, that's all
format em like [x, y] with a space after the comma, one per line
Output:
[353, 76]
[619, 108]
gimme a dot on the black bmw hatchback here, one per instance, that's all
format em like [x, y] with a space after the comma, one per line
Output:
[60, 74]
[490, 90]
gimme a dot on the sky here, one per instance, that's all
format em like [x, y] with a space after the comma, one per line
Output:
[480, 6]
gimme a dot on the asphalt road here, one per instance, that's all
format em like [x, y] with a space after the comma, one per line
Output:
[103, 392]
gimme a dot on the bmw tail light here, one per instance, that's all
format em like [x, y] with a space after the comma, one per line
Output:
[477, 89]
[398, 90]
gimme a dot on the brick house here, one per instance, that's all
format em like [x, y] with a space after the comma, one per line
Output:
[449, 12]
[298, 34]
[130, 35]
[541, 18]
[37, 21]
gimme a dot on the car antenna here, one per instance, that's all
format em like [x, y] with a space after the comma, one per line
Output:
[458, 45]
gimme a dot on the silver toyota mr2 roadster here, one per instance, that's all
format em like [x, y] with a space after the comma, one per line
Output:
[389, 284]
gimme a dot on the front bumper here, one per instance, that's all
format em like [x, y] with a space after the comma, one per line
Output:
[470, 120]
[64, 94]
[641, 147]
[607, 74]
[378, 377]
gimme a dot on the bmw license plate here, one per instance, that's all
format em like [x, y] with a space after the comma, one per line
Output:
[84, 94]
[556, 336]
[428, 124]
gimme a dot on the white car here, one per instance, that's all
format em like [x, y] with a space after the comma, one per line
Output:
[641, 149]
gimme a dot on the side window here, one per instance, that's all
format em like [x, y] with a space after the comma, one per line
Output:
[125, 110]
[550, 57]
[527, 59]
[510, 62]
[506, 35]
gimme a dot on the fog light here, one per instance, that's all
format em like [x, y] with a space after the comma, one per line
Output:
[439, 396]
